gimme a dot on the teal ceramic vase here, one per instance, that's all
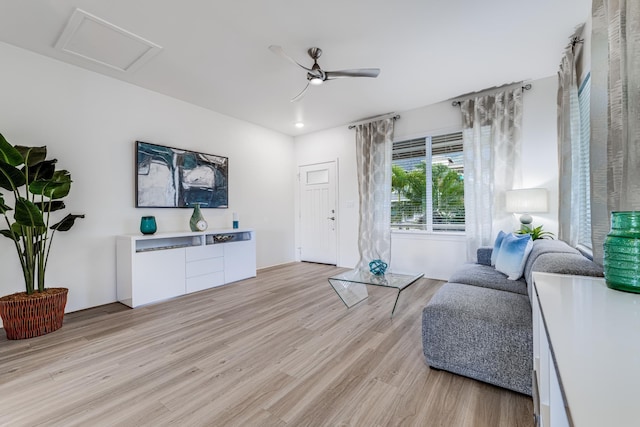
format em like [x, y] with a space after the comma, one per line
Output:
[622, 252]
[148, 225]
[197, 222]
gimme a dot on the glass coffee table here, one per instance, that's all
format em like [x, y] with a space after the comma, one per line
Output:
[351, 286]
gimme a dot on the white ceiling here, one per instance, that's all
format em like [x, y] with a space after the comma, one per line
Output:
[215, 53]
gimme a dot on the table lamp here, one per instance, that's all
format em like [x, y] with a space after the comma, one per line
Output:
[526, 201]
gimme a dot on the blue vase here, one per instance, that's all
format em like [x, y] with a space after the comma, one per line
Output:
[148, 225]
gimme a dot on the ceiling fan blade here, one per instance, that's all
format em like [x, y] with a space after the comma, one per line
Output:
[359, 72]
[299, 96]
[279, 51]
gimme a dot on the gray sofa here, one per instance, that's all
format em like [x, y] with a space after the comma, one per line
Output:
[479, 323]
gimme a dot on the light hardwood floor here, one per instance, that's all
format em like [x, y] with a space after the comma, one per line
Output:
[277, 350]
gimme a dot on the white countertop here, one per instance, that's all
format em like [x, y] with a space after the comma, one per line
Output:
[594, 334]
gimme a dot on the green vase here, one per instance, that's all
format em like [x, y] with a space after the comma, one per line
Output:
[197, 222]
[622, 252]
[148, 225]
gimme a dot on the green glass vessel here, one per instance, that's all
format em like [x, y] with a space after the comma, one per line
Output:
[622, 252]
[148, 225]
[197, 221]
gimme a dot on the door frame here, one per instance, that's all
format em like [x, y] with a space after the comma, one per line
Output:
[298, 207]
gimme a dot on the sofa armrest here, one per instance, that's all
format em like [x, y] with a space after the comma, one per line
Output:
[484, 255]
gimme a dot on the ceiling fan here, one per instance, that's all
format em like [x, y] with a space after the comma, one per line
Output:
[316, 75]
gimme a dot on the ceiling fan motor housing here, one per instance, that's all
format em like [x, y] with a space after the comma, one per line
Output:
[314, 52]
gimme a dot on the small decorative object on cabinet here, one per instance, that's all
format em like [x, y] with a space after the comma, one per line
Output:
[37, 189]
[197, 222]
[148, 225]
[622, 252]
[236, 220]
[377, 267]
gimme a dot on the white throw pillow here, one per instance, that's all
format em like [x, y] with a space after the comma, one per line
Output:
[513, 255]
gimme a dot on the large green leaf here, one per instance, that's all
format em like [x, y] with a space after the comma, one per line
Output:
[32, 155]
[9, 154]
[28, 214]
[66, 223]
[10, 176]
[63, 180]
[42, 171]
[51, 206]
[55, 188]
[3, 207]
[49, 188]
[9, 234]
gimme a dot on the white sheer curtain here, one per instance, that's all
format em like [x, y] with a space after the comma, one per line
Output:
[569, 145]
[615, 114]
[491, 133]
[374, 142]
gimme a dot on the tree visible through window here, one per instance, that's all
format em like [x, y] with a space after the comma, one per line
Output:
[434, 163]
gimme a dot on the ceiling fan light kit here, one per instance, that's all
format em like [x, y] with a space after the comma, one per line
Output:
[316, 75]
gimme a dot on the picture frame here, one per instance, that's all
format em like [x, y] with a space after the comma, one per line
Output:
[168, 177]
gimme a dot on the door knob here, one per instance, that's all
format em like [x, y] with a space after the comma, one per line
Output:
[332, 218]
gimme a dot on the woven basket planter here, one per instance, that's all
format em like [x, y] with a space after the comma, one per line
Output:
[28, 316]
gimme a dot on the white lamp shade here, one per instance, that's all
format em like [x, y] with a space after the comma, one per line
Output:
[527, 200]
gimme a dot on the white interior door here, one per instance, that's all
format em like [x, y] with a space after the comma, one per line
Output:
[318, 216]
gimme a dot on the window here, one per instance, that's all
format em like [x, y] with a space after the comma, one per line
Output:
[427, 184]
[581, 159]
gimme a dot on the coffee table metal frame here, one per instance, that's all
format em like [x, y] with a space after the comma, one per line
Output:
[351, 286]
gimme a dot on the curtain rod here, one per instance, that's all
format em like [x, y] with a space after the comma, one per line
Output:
[525, 87]
[393, 116]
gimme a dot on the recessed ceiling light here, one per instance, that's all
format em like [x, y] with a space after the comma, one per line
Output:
[299, 125]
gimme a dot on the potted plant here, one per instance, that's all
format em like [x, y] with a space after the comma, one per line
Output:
[535, 232]
[36, 189]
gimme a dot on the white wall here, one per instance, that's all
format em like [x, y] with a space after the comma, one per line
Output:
[90, 123]
[437, 254]
[540, 147]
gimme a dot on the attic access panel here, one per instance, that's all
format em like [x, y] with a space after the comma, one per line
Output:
[96, 40]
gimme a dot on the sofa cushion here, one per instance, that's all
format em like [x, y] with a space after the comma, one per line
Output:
[485, 276]
[564, 263]
[544, 246]
[480, 333]
[483, 255]
[496, 246]
[513, 254]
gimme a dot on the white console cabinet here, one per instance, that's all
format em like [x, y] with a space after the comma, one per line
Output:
[586, 352]
[161, 266]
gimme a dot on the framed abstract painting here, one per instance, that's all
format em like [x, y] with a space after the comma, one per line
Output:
[168, 177]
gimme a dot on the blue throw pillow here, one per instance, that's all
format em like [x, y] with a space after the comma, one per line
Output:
[496, 247]
[513, 255]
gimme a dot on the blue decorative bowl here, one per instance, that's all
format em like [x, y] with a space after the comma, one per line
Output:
[377, 267]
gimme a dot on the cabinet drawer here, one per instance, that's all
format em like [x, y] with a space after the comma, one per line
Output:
[206, 281]
[203, 252]
[205, 266]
